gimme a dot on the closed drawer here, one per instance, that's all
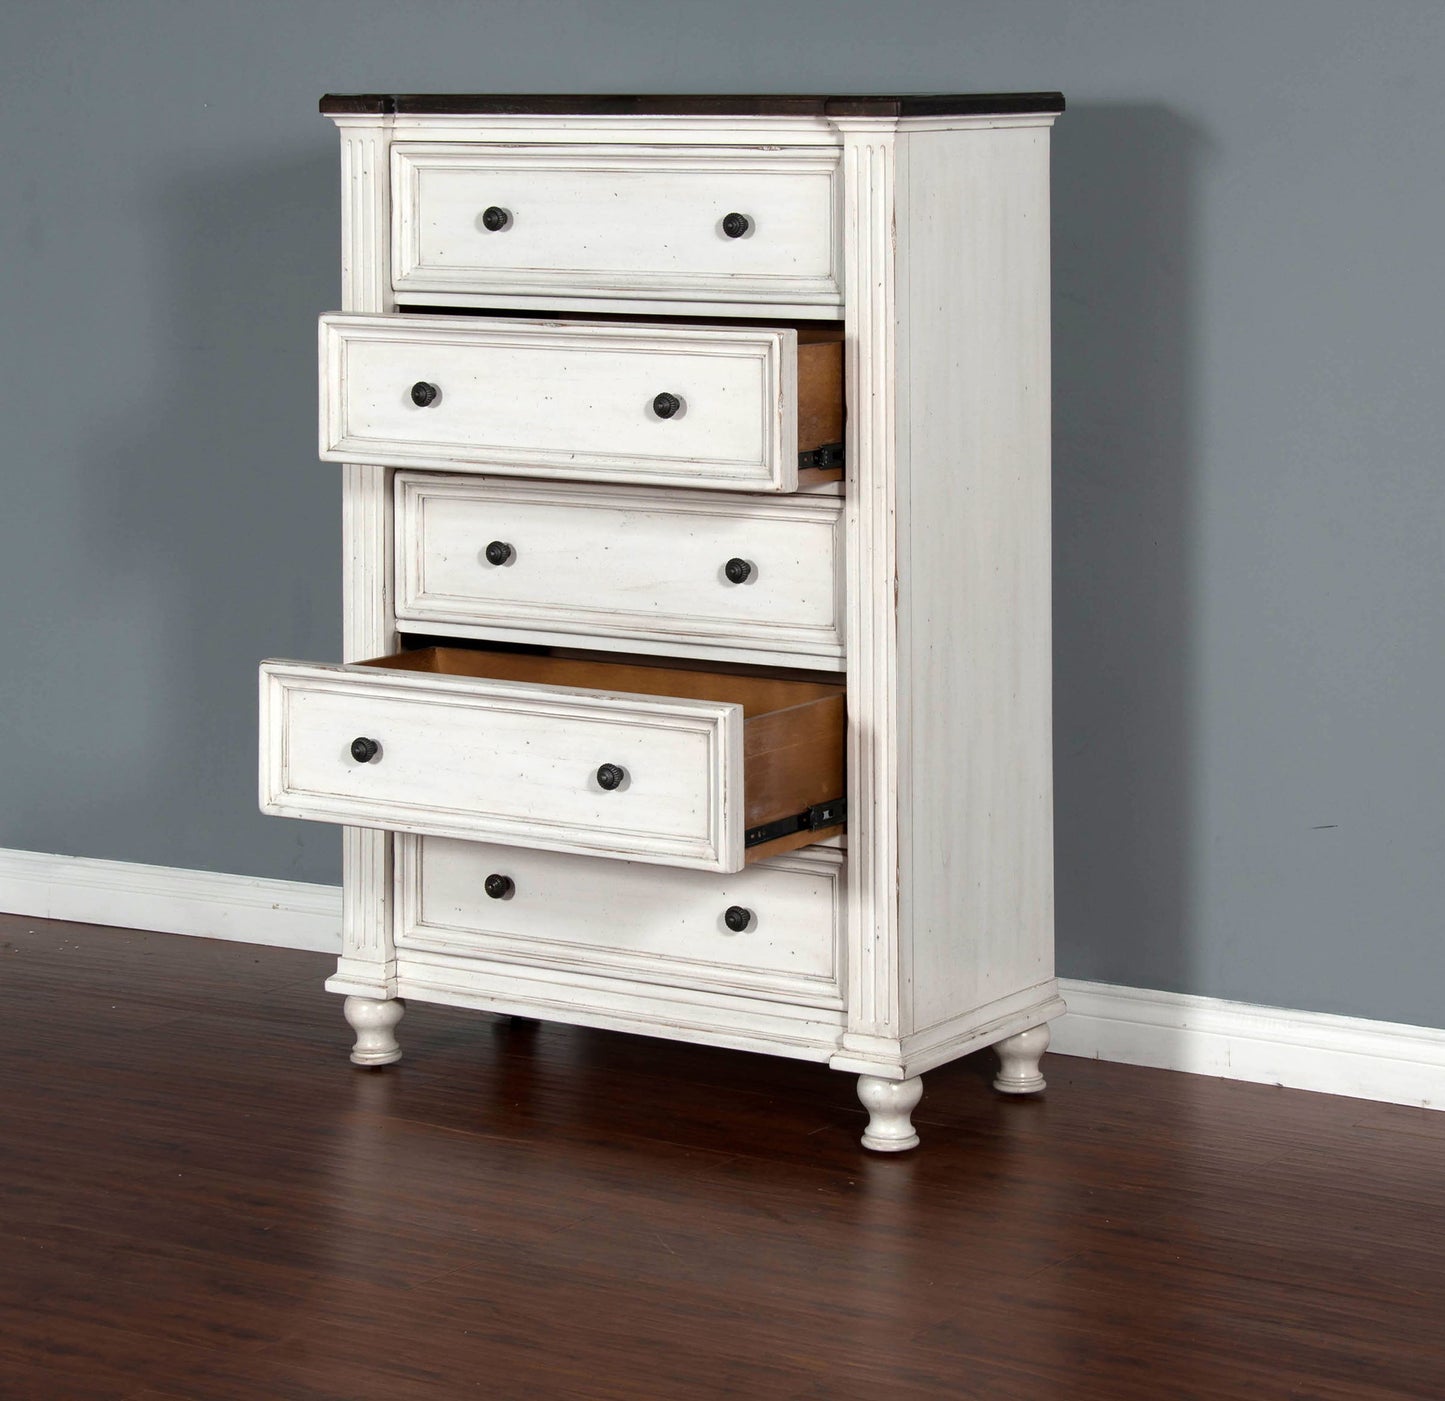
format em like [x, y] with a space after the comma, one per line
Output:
[618, 222]
[679, 406]
[684, 768]
[662, 569]
[771, 930]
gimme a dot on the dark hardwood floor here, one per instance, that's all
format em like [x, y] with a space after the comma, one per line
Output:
[201, 1198]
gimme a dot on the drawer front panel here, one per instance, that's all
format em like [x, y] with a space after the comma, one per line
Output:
[502, 761]
[618, 918]
[613, 222]
[572, 400]
[622, 563]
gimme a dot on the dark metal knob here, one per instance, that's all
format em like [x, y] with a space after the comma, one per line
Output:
[665, 405]
[739, 571]
[610, 776]
[494, 220]
[364, 750]
[499, 887]
[737, 918]
[499, 552]
[423, 393]
[736, 225]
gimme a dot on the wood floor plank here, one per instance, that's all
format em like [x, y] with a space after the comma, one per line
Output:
[201, 1198]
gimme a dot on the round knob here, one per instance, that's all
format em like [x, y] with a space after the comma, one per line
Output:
[737, 918]
[499, 552]
[665, 405]
[499, 887]
[423, 393]
[364, 750]
[736, 225]
[739, 571]
[610, 776]
[494, 220]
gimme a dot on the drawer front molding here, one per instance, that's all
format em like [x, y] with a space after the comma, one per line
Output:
[616, 221]
[624, 563]
[507, 762]
[585, 915]
[565, 400]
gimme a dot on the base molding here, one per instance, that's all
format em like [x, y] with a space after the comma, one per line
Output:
[891, 1058]
[355, 977]
[1386, 1061]
[171, 900]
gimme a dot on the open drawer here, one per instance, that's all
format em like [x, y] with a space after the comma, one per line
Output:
[744, 408]
[647, 763]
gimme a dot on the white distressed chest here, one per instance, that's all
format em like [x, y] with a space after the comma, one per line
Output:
[697, 599]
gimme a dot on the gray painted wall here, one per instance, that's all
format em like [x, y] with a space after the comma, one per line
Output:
[1250, 502]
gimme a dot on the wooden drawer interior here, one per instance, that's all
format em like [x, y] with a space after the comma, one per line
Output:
[820, 405]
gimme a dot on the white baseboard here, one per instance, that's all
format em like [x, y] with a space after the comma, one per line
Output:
[1383, 1061]
[286, 914]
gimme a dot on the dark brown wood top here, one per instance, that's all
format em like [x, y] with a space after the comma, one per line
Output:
[918, 104]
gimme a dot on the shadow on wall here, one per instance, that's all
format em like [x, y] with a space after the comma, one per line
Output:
[210, 508]
[1124, 541]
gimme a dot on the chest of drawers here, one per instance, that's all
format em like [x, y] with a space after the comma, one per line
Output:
[696, 522]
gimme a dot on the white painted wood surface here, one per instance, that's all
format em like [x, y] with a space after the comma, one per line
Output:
[566, 400]
[615, 129]
[890, 1105]
[696, 1014]
[505, 761]
[938, 232]
[877, 977]
[975, 650]
[368, 962]
[589, 914]
[1019, 1057]
[564, 307]
[972, 1029]
[625, 563]
[607, 220]
[374, 1021]
[950, 818]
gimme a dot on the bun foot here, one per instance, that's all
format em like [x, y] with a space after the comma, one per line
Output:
[1018, 1061]
[890, 1105]
[374, 1022]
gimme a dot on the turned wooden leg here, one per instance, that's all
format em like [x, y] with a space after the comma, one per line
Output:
[889, 1103]
[374, 1022]
[1018, 1061]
